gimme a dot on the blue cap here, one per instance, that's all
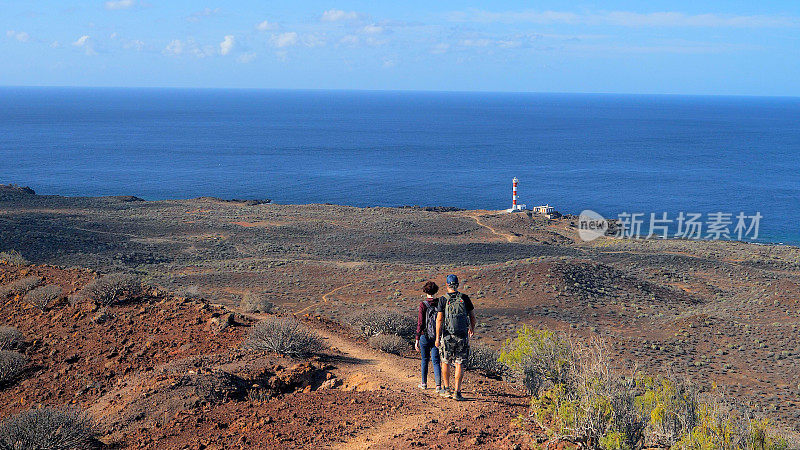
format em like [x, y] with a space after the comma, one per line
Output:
[452, 280]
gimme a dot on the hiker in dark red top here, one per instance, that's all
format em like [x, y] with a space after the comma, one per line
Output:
[426, 336]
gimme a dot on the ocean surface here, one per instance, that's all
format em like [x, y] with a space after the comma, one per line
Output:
[607, 153]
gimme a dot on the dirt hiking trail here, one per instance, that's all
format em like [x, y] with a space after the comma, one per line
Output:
[364, 369]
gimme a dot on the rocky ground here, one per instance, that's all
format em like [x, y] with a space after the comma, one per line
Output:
[722, 313]
[171, 372]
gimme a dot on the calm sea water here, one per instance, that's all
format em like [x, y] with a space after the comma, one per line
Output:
[608, 153]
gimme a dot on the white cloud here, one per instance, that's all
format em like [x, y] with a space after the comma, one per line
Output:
[440, 48]
[175, 47]
[18, 35]
[349, 40]
[336, 15]
[85, 43]
[119, 4]
[82, 41]
[313, 40]
[134, 44]
[628, 19]
[227, 45]
[389, 63]
[282, 40]
[245, 58]
[199, 15]
[372, 29]
[266, 26]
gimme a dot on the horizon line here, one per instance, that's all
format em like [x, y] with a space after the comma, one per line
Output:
[442, 91]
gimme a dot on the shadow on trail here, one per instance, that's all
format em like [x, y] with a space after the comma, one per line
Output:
[344, 359]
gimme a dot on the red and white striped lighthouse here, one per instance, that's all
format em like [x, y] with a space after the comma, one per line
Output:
[514, 196]
[514, 205]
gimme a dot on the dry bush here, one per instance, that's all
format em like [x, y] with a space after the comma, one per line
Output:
[11, 365]
[373, 322]
[217, 386]
[254, 302]
[486, 359]
[193, 292]
[10, 338]
[112, 289]
[13, 258]
[47, 429]
[21, 286]
[283, 335]
[389, 343]
[42, 296]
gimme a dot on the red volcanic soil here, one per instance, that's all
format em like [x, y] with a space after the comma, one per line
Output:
[170, 372]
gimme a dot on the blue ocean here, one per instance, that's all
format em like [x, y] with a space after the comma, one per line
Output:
[608, 153]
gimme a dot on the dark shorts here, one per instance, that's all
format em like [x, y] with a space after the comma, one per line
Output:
[454, 351]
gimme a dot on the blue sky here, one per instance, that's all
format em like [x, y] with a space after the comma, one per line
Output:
[711, 47]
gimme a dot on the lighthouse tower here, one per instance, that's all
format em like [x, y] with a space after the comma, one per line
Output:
[514, 205]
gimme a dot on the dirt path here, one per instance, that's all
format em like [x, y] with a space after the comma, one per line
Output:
[507, 236]
[378, 370]
[324, 299]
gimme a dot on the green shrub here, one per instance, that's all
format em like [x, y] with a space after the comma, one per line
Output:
[112, 289]
[373, 322]
[47, 429]
[541, 357]
[671, 406]
[41, 297]
[389, 343]
[10, 338]
[577, 397]
[21, 286]
[253, 302]
[13, 258]
[283, 335]
[11, 365]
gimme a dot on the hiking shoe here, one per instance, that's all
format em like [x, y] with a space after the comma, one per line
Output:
[423, 386]
[457, 397]
[445, 393]
[439, 390]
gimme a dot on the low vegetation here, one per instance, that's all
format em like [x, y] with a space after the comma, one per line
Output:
[192, 292]
[47, 428]
[254, 302]
[21, 286]
[485, 359]
[10, 338]
[283, 335]
[42, 296]
[13, 258]
[389, 343]
[12, 364]
[577, 397]
[112, 289]
[373, 322]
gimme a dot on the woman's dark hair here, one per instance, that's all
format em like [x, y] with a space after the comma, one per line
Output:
[430, 288]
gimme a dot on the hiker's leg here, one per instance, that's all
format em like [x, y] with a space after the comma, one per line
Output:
[437, 366]
[446, 375]
[425, 353]
[459, 376]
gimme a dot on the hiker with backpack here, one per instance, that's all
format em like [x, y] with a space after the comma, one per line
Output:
[455, 324]
[426, 336]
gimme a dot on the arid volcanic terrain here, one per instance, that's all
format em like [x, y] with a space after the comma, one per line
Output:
[723, 313]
